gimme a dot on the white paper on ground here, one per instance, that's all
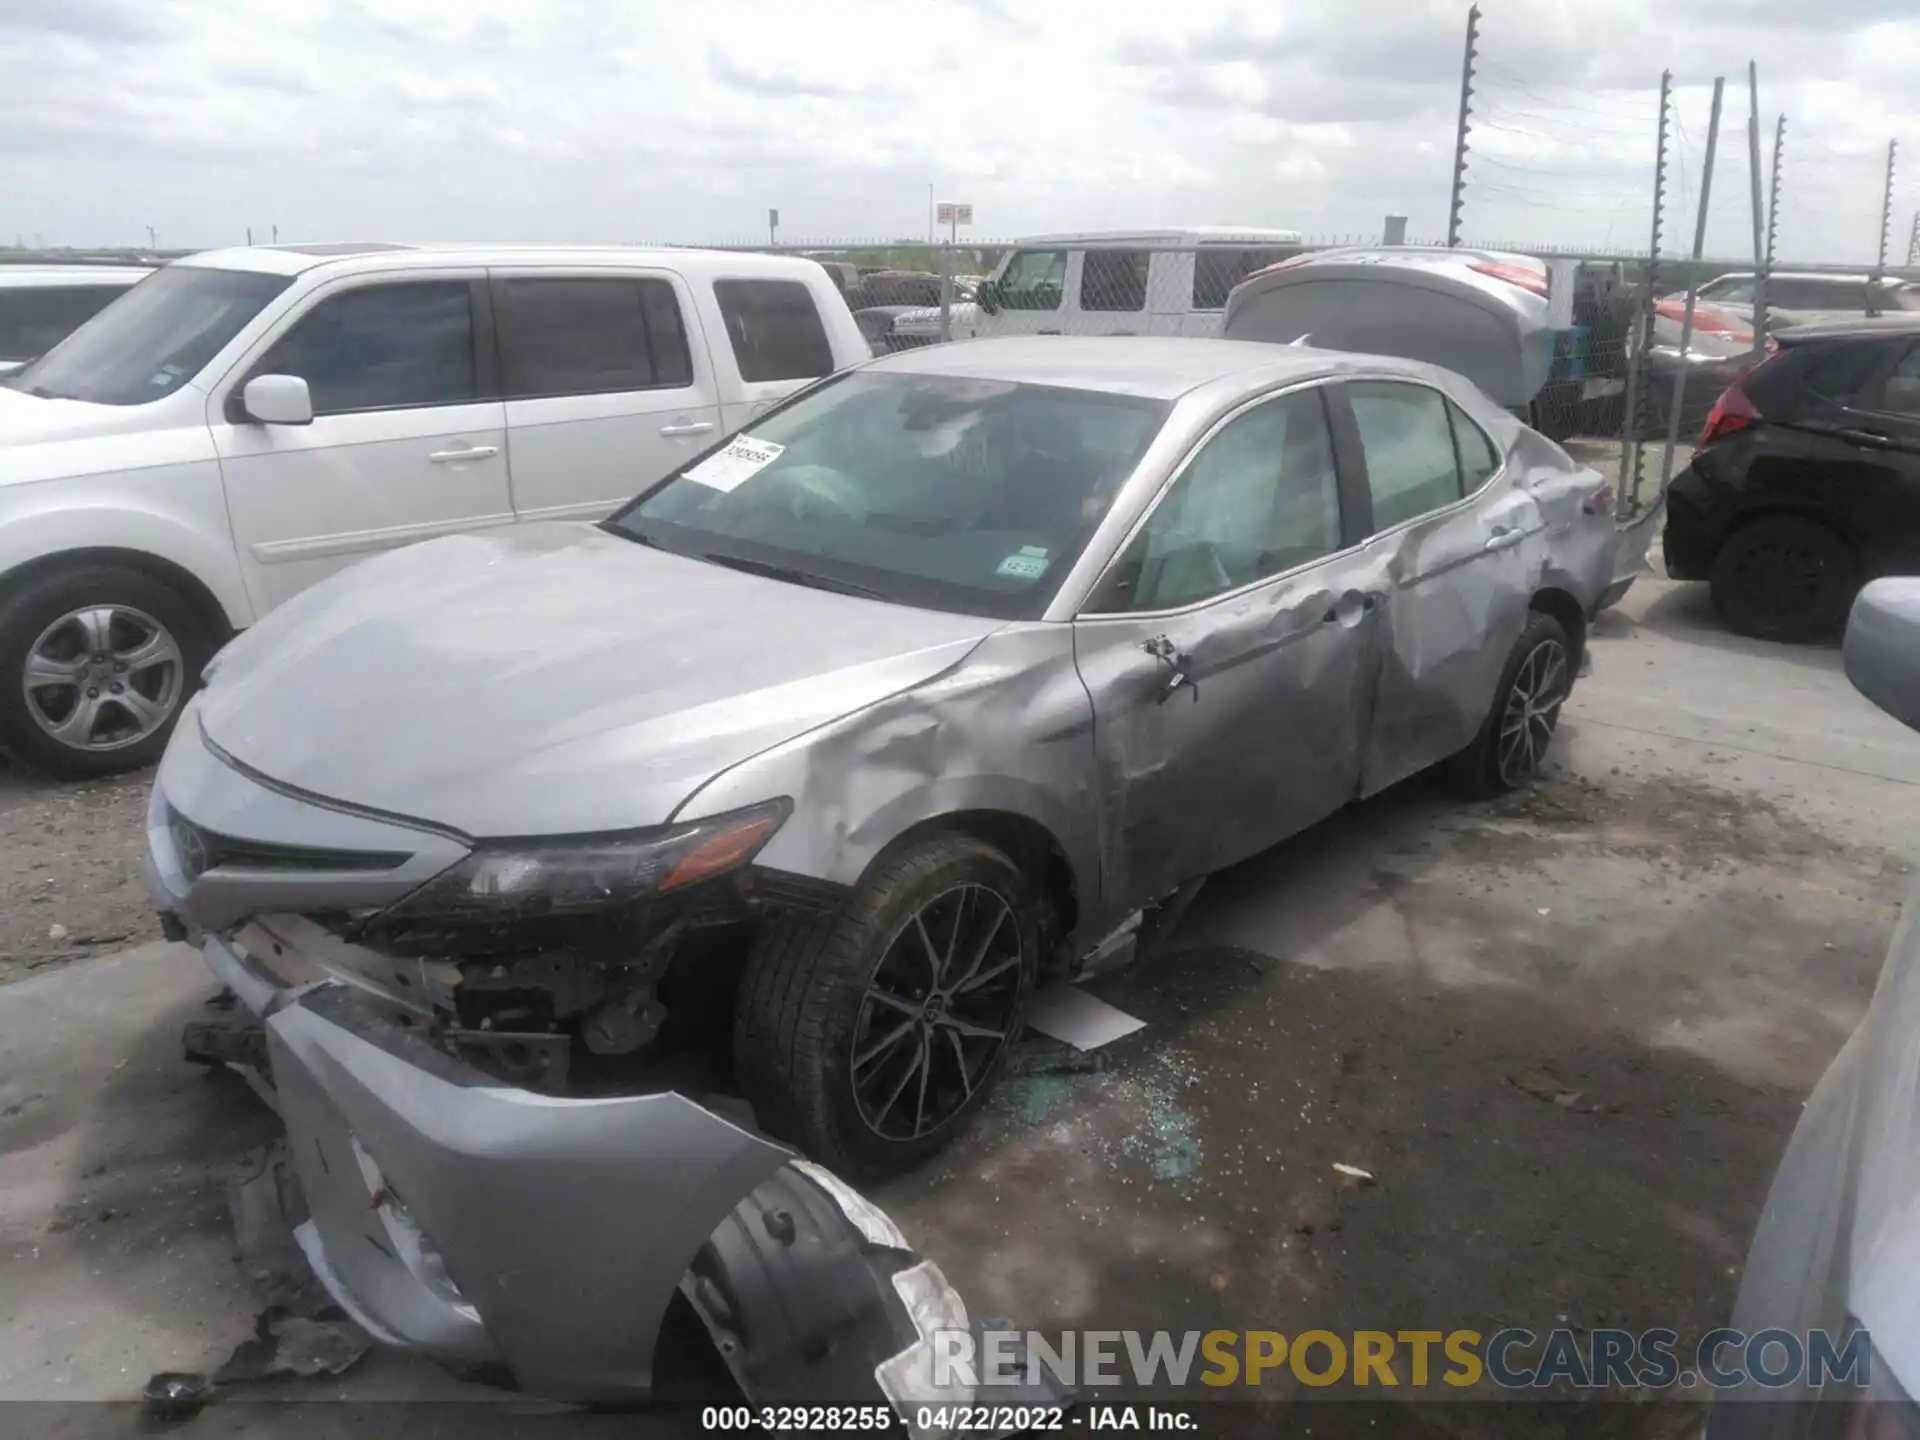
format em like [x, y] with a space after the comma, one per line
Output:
[1083, 1021]
[742, 459]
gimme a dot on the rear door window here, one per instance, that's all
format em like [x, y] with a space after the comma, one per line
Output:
[1217, 269]
[1407, 439]
[775, 329]
[383, 347]
[590, 336]
[1817, 295]
[1113, 280]
[35, 318]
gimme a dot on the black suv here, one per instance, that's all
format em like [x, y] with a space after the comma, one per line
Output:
[1807, 481]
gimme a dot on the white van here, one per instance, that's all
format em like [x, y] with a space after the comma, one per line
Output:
[242, 423]
[1125, 282]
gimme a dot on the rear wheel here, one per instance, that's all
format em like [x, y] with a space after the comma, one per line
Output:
[868, 1037]
[1783, 577]
[1513, 740]
[96, 662]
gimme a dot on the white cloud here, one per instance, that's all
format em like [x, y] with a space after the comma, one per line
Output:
[641, 119]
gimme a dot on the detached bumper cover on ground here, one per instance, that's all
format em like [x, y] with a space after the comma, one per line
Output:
[489, 1227]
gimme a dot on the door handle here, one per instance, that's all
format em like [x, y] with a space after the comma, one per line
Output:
[465, 452]
[1174, 678]
[1350, 609]
[687, 427]
[1505, 538]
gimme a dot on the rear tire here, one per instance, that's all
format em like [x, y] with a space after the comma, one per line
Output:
[96, 662]
[868, 1037]
[1514, 738]
[1785, 578]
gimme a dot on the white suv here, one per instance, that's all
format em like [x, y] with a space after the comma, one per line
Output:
[244, 422]
[40, 305]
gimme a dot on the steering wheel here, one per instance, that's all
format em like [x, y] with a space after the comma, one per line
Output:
[818, 490]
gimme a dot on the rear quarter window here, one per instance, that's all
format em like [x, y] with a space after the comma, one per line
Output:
[775, 329]
[1842, 371]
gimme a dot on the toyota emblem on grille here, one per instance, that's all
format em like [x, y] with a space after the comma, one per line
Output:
[192, 846]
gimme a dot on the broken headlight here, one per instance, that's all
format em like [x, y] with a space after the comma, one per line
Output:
[520, 879]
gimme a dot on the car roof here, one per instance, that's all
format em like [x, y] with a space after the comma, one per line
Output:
[20, 276]
[1864, 327]
[1154, 367]
[354, 257]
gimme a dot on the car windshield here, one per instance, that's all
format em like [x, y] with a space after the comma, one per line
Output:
[934, 490]
[153, 339]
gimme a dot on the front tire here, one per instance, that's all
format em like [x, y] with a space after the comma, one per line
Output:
[868, 1037]
[1513, 740]
[96, 662]
[1783, 578]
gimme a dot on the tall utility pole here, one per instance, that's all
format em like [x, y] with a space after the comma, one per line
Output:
[1467, 58]
[1638, 409]
[1773, 233]
[1886, 233]
[152, 244]
[1693, 286]
[1759, 213]
[1913, 243]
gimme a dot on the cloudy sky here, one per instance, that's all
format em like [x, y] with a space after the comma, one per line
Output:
[684, 120]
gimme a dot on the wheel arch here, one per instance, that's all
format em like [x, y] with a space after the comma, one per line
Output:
[1024, 840]
[170, 573]
[1563, 607]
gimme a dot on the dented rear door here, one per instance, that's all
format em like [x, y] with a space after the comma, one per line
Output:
[1459, 547]
[1228, 654]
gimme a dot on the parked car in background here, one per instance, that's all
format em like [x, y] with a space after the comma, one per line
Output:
[1121, 282]
[1807, 481]
[242, 423]
[1484, 314]
[1838, 1243]
[922, 326]
[1796, 297]
[40, 305]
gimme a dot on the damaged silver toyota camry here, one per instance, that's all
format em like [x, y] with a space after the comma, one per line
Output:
[568, 862]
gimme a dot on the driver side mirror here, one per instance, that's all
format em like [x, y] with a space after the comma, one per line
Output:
[278, 400]
[1883, 647]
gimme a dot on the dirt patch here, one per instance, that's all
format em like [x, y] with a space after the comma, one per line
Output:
[70, 882]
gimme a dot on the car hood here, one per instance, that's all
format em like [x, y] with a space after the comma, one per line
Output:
[29, 420]
[551, 679]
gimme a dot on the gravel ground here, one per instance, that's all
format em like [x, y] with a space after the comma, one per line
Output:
[70, 870]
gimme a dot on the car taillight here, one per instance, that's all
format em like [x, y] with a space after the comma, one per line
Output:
[1731, 413]
[1529, 280]
[1706, 320]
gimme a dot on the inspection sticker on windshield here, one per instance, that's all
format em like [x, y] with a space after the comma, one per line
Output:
[1029, 564]
[742, 459]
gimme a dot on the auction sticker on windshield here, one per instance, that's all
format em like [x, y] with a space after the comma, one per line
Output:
[740, 460]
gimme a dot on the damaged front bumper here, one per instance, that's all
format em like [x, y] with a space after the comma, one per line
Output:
[538, 1238]
[543, 1240]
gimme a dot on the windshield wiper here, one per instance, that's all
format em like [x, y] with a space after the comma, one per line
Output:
[792, 575]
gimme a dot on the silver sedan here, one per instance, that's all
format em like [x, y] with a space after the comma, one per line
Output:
[955, 673]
